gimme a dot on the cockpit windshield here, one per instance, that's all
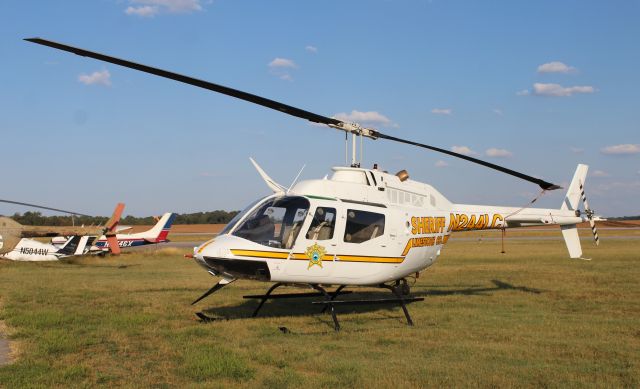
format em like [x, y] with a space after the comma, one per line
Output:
[239, 216]
[275, 223]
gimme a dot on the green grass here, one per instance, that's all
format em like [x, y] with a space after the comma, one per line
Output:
[529, 317]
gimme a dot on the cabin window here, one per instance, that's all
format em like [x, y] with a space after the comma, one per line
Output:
[363, 226]
[276, 223]
[323, 224]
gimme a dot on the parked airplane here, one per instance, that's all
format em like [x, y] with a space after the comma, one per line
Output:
[16, 243]
[31, 250]
[62, 247]
[157, 234]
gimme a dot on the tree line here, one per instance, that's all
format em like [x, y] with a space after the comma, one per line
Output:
[30, 218]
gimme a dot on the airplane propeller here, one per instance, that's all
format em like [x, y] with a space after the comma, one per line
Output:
[353, 128]
[589, 212]
[110, 229]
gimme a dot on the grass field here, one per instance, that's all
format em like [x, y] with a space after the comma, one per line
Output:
[530, 317]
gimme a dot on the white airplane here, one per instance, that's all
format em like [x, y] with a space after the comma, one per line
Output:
[360, 227]
[16, 243]
[32, 251]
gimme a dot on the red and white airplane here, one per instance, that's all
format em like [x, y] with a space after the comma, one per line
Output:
[99, 245]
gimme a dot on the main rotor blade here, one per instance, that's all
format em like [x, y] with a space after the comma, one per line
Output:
[277, 106]
[43, 207]
[543, 184]
[193, 81]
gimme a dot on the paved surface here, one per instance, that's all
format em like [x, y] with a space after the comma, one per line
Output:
[4, 350]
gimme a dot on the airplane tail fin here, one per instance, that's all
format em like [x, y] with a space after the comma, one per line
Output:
[70, 246]
[160, 231]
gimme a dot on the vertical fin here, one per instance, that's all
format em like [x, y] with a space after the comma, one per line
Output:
[160, 231]
[572, 199]
[571, 238]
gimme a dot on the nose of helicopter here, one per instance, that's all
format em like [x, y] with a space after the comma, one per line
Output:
[206, 249]
[217, 258]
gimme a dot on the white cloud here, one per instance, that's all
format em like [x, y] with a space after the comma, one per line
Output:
[145, 11]
[576, 150]
[498, 153]
[371, 117]
[281, 66]
[282, 63]
[149, 8]
[311, 49]
[463, 150]
[555, 67]
[523, 92]
[558, 90]
[498, 111]
[96, 78]
[621, 149]
[599, 173]
[441, 163]
[442, 111]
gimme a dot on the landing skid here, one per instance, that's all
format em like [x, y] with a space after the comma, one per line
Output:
[399, 289]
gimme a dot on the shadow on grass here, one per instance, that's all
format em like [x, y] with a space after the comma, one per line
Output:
[70, 264]
[303, 306]
[480, 290]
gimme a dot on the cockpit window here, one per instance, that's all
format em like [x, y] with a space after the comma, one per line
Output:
[363, 226]
[239, 216]
[322, 225]
[276, 223]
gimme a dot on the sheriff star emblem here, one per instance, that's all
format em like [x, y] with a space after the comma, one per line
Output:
[315, 254]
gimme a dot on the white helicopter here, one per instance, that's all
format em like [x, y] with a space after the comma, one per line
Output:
[359, 227]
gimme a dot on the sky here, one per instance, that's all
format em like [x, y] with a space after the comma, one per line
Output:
[538, 87]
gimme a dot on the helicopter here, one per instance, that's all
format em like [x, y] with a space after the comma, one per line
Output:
[358, 227]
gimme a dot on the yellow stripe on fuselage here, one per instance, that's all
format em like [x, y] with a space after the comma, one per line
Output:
[261, 254]
[303, 257]
[356, 258]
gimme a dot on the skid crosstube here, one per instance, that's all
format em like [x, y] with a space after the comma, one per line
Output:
[330, 301]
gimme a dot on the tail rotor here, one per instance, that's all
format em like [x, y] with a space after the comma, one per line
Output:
[589, 213]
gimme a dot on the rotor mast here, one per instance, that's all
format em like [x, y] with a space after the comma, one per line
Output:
[356, 131]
